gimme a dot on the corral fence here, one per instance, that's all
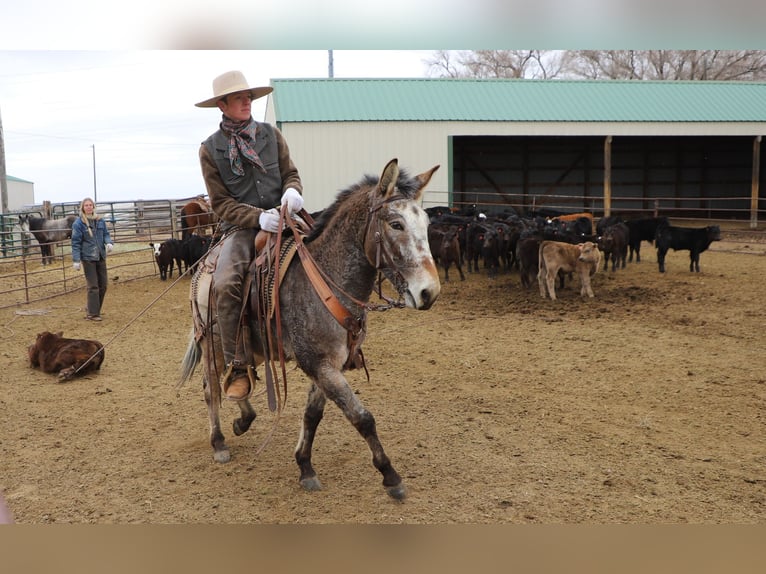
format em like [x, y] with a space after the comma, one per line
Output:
[736, 215]
[133, 225]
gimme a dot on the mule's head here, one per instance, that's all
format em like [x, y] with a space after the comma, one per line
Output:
[397, 238]
[24, 222]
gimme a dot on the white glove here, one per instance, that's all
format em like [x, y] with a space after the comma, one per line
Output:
[269, 220]
[293, 200]
[76, 265]
[109, 247]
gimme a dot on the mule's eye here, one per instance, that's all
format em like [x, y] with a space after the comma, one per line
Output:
[397, 226]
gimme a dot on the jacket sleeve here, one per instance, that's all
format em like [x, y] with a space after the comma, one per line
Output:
[223, 204]
[107, 237]
[76, 241]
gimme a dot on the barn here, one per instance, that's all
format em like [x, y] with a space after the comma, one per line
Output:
[679, 148]
[21, 193]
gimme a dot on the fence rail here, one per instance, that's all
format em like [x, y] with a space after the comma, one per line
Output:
[135, 224]
[731, 208]
[132, 226]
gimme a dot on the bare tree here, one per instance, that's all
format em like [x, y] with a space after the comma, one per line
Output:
[743, 65]
[496, 64]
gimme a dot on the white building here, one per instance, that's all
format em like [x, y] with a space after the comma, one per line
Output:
[20, 193]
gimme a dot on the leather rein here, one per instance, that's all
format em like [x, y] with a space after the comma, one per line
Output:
[324, 286]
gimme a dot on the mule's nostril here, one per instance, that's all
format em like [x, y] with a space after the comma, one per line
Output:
[427, 298]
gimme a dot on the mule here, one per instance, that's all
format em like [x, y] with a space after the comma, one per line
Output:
[47, 232]
[375, 226]
[197, 217]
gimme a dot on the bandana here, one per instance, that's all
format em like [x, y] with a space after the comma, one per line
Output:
[241, 143]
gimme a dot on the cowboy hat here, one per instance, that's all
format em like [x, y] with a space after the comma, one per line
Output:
[229, 83]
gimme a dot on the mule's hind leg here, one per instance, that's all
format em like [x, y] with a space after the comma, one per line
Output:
[213, 400]
[311, 419]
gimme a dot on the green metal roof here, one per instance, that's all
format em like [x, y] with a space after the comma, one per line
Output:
[335, 100]
[11, 178]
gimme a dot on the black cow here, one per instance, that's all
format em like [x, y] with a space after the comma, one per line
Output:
[193, 249]
[614, 244]
[527, 254]
[695, 240]
[644, 229]
[608, 221]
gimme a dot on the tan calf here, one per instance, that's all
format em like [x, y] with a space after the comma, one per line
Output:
[583, 259]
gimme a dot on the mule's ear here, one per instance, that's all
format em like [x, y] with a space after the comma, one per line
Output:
[423, 180]
[389, 177]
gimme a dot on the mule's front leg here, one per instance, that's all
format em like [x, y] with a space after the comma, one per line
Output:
[341, 394]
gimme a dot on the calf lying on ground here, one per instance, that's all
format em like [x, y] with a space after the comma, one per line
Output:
[583, 259]
[695, 240]
[53, 353]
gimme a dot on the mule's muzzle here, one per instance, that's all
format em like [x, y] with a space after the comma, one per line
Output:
[422, 300]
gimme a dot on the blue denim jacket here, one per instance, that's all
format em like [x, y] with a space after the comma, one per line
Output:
[85, 247]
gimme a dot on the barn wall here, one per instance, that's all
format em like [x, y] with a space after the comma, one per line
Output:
[20, 193]
[333, 155]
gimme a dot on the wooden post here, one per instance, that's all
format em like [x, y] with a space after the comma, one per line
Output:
[607, 176]
[754, 190]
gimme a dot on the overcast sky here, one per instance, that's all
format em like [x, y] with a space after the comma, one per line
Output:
[130, 97]
[135, 110]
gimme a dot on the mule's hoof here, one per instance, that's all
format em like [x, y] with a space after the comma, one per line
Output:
[241, 425]
[222, 455]
[311, 484]
[397, 492]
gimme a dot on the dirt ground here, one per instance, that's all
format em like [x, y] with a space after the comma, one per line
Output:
[643, 405]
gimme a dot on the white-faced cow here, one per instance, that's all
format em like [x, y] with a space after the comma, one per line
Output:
[165, 253]
[52, 353]
[583, 259]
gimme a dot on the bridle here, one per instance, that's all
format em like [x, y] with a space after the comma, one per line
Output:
[382, 259]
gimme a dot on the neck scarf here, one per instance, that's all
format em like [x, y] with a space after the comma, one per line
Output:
[241, 143]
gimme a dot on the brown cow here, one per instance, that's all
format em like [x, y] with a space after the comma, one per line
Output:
[583, 259]
[53, 353]
[449, 252]
[574, 217]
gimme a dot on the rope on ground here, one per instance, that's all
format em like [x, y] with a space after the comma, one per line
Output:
[129, 323]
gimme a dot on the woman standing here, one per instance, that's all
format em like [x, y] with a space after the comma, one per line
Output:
[90, 244]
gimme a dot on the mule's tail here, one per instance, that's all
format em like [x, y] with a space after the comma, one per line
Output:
[190, 361]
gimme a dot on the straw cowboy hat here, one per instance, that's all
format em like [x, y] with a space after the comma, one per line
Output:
[229, 83]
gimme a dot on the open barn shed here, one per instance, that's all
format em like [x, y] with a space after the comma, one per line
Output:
[682, 149]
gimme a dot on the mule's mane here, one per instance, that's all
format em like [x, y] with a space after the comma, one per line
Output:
[406, 186]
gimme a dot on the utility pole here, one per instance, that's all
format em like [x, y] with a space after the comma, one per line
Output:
[95, 196]
[3, 175]
[330, 70]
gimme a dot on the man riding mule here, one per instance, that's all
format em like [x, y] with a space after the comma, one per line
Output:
[375, 228]
[248, 172]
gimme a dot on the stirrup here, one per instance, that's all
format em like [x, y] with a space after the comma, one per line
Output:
[226, 379]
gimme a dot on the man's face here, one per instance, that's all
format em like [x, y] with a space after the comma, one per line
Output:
[236, 106]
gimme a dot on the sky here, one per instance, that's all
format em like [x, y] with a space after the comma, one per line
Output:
[131, 114]
[112, 85]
